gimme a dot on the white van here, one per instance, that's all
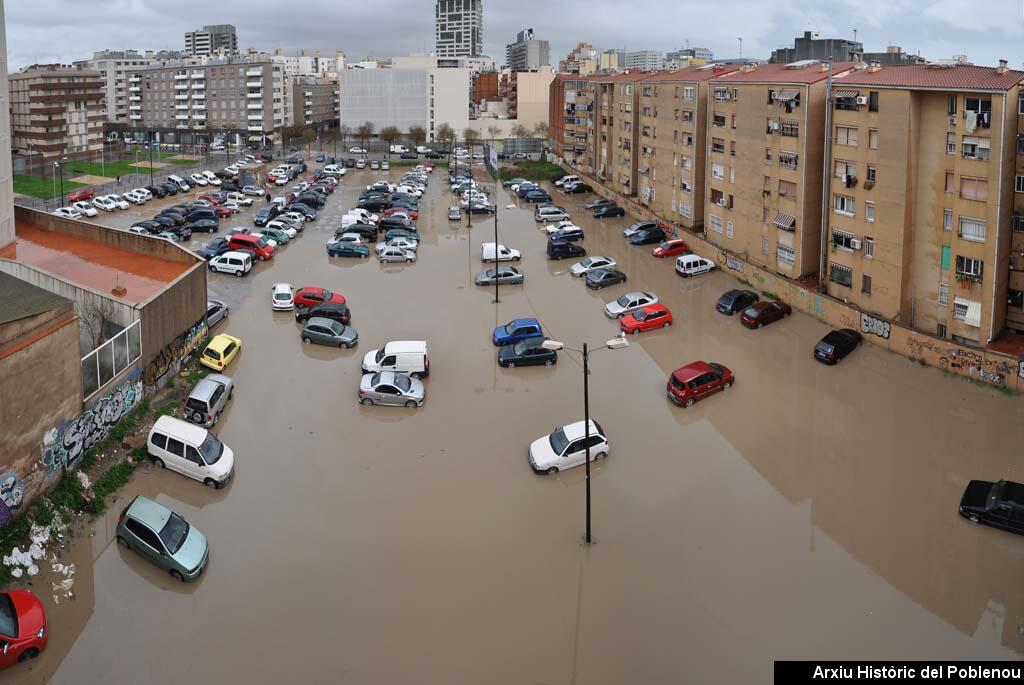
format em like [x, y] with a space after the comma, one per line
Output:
[550, 213]
[399, 149]
[567, 180]
[505, 254]
[237, 263]
[402, 356]
[180, 182]
[190, 450]
[691, 265]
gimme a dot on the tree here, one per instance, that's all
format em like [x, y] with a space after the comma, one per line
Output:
[365, 131]
[418, 135]
[471, 136]
[445, 134]
[541, 130]
[308, 134]
[493, 131]
[520, 131]
[344, 131]
[390, 134]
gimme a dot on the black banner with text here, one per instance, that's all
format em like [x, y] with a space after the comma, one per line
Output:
[798, 672]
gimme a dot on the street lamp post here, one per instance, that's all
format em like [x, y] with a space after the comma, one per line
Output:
[60, 167]
[613, 344]
[151, 165]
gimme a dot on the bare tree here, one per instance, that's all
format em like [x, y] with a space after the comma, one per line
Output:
[344, 131]
[390, 134]
[541, 130]
[418, 135]
[445, 134]
[365, 132]
[470, 136]
[93, 315]
[520, 131]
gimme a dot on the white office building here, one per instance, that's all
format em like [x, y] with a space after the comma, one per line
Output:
[644, 60]
[459, 28]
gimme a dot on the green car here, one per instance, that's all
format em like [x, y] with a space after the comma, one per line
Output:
[163, 538]
[275, 234]
[401, 233]
[346, 249]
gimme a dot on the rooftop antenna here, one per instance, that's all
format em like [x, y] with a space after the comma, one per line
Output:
[740, 39]
[855, 35]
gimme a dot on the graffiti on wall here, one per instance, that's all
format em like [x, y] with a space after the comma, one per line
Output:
[879, 327]
[733, 263]
[1020, 372]
[64, 446]
[179, 348]
[963, 361]
[12, 492]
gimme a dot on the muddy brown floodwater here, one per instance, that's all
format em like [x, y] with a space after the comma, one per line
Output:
[808, 512]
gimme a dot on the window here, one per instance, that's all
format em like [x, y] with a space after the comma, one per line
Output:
[688, 93]
[732, 148]
[1018, 183]
[841, 275]
[842, 239]
[718, 119]
[785, 254]
[974, 189]
[873, 101]
[952, 105]
[975, 147]
[160, 440]
[865, 284]
[944, 294]
[176, 447]
[715, 224]
[873, 138]
[717, 145]
[768, 155]
[872, 175]
[950, 143]
[947, 219]
[950, 182]
[729, 230]
[869, 247]
[960, 309]
[843, 204]
[869, 212]
[940, 330]
[732, 121]
[787, 189]
[980, 109]
[844, 169]
[687, 139]
[967, 266]
[788, 160]
[1020, 104]
[846, 135]
[945, 257]
[718, 171]
[732, 174]
[790, 128]
[717, 198]
[684, 209]
[972, 229]
[764, 240]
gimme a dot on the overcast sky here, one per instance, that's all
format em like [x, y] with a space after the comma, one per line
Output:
[64, 30]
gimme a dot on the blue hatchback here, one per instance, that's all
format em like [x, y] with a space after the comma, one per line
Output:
[517, 330]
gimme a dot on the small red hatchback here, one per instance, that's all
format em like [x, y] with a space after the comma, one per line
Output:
[764, 312]
[697, 380]
[23, 631]
[81, 194]
[671, 248]
[210, 198]
[310, 297]
[651, 317]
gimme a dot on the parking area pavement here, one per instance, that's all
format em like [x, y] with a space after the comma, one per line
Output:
[808, 510]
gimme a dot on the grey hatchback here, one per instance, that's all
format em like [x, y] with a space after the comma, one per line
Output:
[329, 332]
[506, 275]
[163, 538]
[388, 387]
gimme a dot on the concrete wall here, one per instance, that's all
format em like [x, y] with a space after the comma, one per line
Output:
[173, 311]
[6, 179]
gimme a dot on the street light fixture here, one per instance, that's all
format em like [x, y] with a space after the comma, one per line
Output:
[615, 343]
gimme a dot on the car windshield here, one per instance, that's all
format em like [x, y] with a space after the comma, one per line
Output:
[523, 346]
[622, 301]
[211, 449]
[825, 347]
[995, 495]
[261, 243]
[282, 296]
[558, 441]
[678, 384]
[640, 315]
[337, 328]
[8, 617]
[717, 368]
[751, 312]
[174, 533]
[403, 383]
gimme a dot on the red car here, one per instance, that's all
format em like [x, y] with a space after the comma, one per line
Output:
[310, 297]
[413, 214]
[764, 312]
[671, 248]
[211, 199]
[258, 246]
[697, 380]
[650, 318]
[23, 631]
[81, 194]
[222, 211]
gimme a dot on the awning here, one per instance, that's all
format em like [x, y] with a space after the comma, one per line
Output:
[840, 94]
[788, 94]
[973, 315]
[783, 220]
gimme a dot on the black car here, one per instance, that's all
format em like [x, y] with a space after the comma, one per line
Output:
[608, 211]
[201, 215]
[563, 249]
[647, 236]
[166, 222]
[157, 191]
[303, 209]
[350, 163]
[168, 188]
[836, 345]
[408, 155]
[579, 188]
[480, 209]
[600, 202]
[529, 352]
[602, 278]
[229, 185]
[215, 247]
[512, 181]
[537, 196]
[203, 225]
[999, 504]
[733, 301]
[311, 199]
[265, 214]
[367, 231]
[150, 226]
[568, 234]
[183, 232]
[177, 217]
[395, 222]
[433, 155]
[374, 204]
[181, 209]
[328, 310]
[320, 158]
[527, 188]
[223, 175]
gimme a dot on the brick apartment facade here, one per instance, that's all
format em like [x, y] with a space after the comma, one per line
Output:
[314, 102]
[56, 111]
[570, 107]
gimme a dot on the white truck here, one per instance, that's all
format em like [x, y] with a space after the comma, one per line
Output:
[505, 254]
[399, 149]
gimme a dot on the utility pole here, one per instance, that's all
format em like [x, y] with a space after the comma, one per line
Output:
[497, 180]
[586, 428]
[825, 180]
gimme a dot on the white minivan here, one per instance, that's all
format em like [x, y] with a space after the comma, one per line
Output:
[183, 186]
[402, 356]
[691, 265]
[237, 263]
[550, 213]
[190, 450]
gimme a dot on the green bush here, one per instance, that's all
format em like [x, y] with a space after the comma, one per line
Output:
[110, 482]
[67, 494]
[167, 409]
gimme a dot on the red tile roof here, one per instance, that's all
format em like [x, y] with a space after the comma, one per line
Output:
[956, 77]
[780, 73]
[627, 76]
[693, 73]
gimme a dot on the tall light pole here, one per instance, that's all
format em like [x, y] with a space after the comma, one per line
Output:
[60, 166]
[613, 344]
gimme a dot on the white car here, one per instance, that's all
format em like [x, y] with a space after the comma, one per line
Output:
[283, 227]
[139, 230]
[566, 447]
[85, 208]
[282, 180]
[299, 187]
[411, 190]
[240, 199]
[381, 185]
[559, 226]
[233, 206]
[103, 202]
[68, 213]
[211, 178]
[232, 169]
[350, 238]
[135, 197]
[254, 191]
[363, 214]
[396, 254]
[401, 243]
[335, 170]
[628, 303]
[505, 254]
[421, 150]
[144, 193]
[199, 180]
[295, 216]
[385, 165]
[118, 201]
[357, 151]
[282, 297]
[585, 266]
[566, 179]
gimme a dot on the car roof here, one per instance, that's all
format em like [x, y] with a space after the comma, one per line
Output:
[190, 432]
[691, 371]
[527, 321]
[220, 341]
[277, 287]
[575, 431]
[405, 346]
[322, 321]
[149, 512]
[638, 294]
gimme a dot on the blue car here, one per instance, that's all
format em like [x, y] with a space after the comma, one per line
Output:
[214, 248]
[517, 330]
[320, 158]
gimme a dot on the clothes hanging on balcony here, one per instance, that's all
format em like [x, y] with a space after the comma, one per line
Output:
[983, 119]
[970, 120]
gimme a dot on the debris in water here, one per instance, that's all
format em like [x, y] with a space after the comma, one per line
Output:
[16, 572]
[83, 479]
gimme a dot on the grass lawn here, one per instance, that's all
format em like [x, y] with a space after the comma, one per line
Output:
[119, 168]
[43, 188]
[531, 170]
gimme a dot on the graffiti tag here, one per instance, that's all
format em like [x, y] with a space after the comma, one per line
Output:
[169, 358]
[12, 492]
[733, 263]
[879, 327]
[1021, 371]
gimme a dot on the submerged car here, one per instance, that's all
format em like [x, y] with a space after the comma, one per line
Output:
[505, 275]
[764, 312]
[697, 380]
[517, 330]
[733, 301]
[347, 249]
[566, 447]
[529, 352]
[390, 388]
[999, 504]
[629, 303]
[324, 331]
[602, 278]
[651, 317]
[836, 345]
[23, 629]
[163, 538]
[585, 266]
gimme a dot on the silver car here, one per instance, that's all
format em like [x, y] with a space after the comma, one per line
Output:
[585, 266]
[396, 254]
[629, 302]
[388, 387]
[329, 332]
[401, 243]
[215, 311]
[505, 275]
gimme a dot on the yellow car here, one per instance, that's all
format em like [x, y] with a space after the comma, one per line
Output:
[221, 351]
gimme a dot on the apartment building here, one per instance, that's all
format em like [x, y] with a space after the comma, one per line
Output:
[242, 97]
[210, 40]
[526, 94]
[458, 28]
[672, 117]
[527, 53]
[763, 187]
[570, 108]
[582, 60]
[56, 110]
[616, 135]
[6, 171]
[313, 102]
[643, 60]
[115, 66]
[925, 197]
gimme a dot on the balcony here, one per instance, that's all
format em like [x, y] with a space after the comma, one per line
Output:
[254, 105]
[198, 74]
[135, 78]
[181, 77]
[181, 117]
[135, 117]
[135, 98]
[198, 86]
[199, 96]
[254, 72]
[254, 96]
[181, 96]
[180, 86]
[199, 105]
[135, 107]
[254, 128]
[254, 117]
[135, 89]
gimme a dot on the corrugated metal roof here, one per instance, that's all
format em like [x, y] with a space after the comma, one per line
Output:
[20, 299]
[957, 77]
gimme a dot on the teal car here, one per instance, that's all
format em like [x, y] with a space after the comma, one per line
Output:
[346, 249]
[401, 233]
[280, 237]
[163, 538]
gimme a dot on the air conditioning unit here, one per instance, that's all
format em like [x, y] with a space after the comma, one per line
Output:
[854, 244]
[952, 120]
[776, 125]
[861, 100]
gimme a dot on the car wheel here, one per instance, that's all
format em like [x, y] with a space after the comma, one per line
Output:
[974, 518]
[515, 259]
[726, 385]
[411, 404]
[600, 455]
[197, 417]
[635, 331]
[551, 470]
[212, 269]
[159, 463]
[347, 345]
[510, 365]
[238, 274]
[306, 339]
[30, 653]
[549, 362]
[408, 261]
[177, 576]
[667, 324]
[367, 401]
[760, 325]
[210, 483]
[689, 403]
[122, 542]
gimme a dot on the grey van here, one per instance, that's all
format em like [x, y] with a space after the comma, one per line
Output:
[208, 399]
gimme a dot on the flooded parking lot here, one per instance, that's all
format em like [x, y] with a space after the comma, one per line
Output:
[807, 512]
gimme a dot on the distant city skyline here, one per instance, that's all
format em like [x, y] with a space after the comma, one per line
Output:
[56, 31]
